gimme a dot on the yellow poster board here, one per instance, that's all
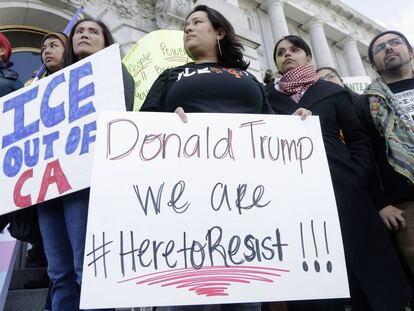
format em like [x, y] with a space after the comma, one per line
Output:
[150, 56]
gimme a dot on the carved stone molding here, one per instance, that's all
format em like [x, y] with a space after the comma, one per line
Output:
[82, 2]
[171, 14]
[314, 22]
[138, 14]
[347, 40]
[122, 8]
[267, 4]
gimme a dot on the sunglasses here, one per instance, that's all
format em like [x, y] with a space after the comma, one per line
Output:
[382, 46]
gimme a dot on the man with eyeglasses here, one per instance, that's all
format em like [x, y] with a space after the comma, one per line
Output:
[387, 112]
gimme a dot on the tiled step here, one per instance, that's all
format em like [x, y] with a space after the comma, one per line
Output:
[21, 276]
[26, 300]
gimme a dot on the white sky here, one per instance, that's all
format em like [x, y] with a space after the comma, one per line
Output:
[395, 14]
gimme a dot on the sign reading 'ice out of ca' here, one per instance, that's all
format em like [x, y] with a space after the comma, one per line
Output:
[225, 208]
[48, 130]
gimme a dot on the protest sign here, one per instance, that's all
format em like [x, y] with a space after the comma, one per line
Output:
[357, 84]
[225, 208]
[8, 253]
[48, 130]
[150, 56]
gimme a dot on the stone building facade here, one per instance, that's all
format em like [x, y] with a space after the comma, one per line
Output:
[338, 35]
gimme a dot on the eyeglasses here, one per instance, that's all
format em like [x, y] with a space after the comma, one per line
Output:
[381, 47]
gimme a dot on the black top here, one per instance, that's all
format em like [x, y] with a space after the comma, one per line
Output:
[403, 85]
[208, 87]
[128, 89]
[397, 187]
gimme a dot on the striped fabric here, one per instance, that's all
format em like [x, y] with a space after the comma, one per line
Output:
[397, 131]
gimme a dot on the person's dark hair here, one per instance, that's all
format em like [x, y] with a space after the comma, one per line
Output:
[371, 44]
[296, 41]
[56, 35]
[333, 70]
[231, 48]
[69, 57]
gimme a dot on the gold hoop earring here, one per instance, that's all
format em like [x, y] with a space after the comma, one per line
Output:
[219, 47]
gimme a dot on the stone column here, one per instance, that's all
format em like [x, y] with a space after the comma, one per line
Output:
[320, 46]
[349, 46]
[277, 18]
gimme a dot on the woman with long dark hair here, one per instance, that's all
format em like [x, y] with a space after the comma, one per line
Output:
[63, 226]
[217, 80]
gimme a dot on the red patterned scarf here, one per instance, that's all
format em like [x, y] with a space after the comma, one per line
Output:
[296, 81]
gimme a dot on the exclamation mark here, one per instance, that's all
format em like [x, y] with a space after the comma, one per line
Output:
[316, 263]
[304, 263]
[329, 263]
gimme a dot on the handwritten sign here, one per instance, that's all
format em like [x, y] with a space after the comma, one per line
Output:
[150, 56]
[226, 208]
[8, 253]
[48, 130]
[357, 84]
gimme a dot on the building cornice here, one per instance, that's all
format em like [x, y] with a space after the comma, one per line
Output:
[352, 15]
[345, 11]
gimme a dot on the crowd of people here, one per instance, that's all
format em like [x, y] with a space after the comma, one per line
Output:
[369, 142]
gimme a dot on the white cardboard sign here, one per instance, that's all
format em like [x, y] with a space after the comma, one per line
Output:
[48, 130]
[225, 208]
[357, 84]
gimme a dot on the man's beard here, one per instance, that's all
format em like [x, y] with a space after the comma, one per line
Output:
[395, 67]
